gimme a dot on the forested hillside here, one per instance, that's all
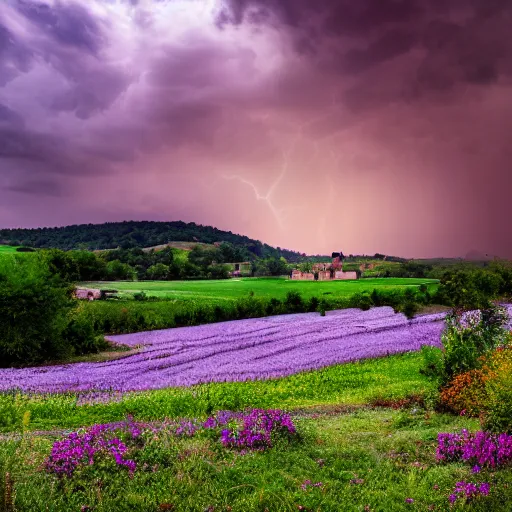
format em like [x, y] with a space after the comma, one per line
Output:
[131, 234]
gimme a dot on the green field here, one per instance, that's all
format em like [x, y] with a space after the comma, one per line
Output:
[7, 249]
[366, 456]
[230, 289]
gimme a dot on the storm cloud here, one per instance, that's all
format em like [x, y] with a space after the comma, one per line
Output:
[371, 126]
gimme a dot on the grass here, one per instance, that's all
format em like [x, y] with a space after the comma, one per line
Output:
[7, 249]
[230, 289]
[368, 458]
[362, 382]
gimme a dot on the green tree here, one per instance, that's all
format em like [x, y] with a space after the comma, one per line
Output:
[470, 289]
[158, 272]
[34, 308]
[117, 271]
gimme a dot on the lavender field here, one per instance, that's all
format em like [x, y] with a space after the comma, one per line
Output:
[237, 351]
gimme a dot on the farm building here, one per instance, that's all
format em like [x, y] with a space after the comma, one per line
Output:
[243, 269]
[93, 294]
[332, 271]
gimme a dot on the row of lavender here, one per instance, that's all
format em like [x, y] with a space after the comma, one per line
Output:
[237, 351]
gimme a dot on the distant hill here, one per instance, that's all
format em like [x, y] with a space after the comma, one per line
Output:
[129, 234]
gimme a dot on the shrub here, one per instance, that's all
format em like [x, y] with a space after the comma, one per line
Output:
[274, 307]
[470, 335]
[313, 304]
[294, 303]
[34, 305]
[361, 300]
[140, 296]
[498, 414]
[484, 392]
[410, 308]
[470, 289]
[81, 334]
[433, 362]
[466, 393]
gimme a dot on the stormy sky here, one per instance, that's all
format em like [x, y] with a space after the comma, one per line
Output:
[366, 126]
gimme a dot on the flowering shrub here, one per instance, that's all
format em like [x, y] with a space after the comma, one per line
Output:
[467, 392]
[469, 491]
[479, 449]
[469, 335]
[484, 391]
[256, 429]
[81, 449]
[111, 443]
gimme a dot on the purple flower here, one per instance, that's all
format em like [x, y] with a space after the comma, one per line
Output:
[468, 491]
[484, 488]
[258, 348]
[308, 483]
[409, 500]
[479, 449]
[79, 449]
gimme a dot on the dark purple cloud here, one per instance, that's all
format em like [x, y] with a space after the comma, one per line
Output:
[68, 24]
[15, 57]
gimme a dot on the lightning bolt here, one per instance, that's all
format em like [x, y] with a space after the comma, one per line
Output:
[267, 198]
[281, 213]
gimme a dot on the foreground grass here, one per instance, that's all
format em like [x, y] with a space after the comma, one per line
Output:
[369, 460]
[230, 289]
[388, 378]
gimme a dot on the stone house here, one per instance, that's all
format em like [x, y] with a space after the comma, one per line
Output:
[332, 271]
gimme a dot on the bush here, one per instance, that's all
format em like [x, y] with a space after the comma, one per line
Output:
[313, 304]
[33, 312]
[470, 335]
[294, 303]
[410, 308]
[81, 334]
[140, 296]
[433, 362]
[470, 289]
[466, 393]
[274, 307]
[361, 300]
[39, 319]
[498, 414]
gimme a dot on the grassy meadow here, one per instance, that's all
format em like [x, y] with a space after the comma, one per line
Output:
[7, 249]
[366, 431]
[231, 289]
[365, 438]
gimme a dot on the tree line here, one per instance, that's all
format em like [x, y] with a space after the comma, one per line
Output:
[164, 265]
[136, 234]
